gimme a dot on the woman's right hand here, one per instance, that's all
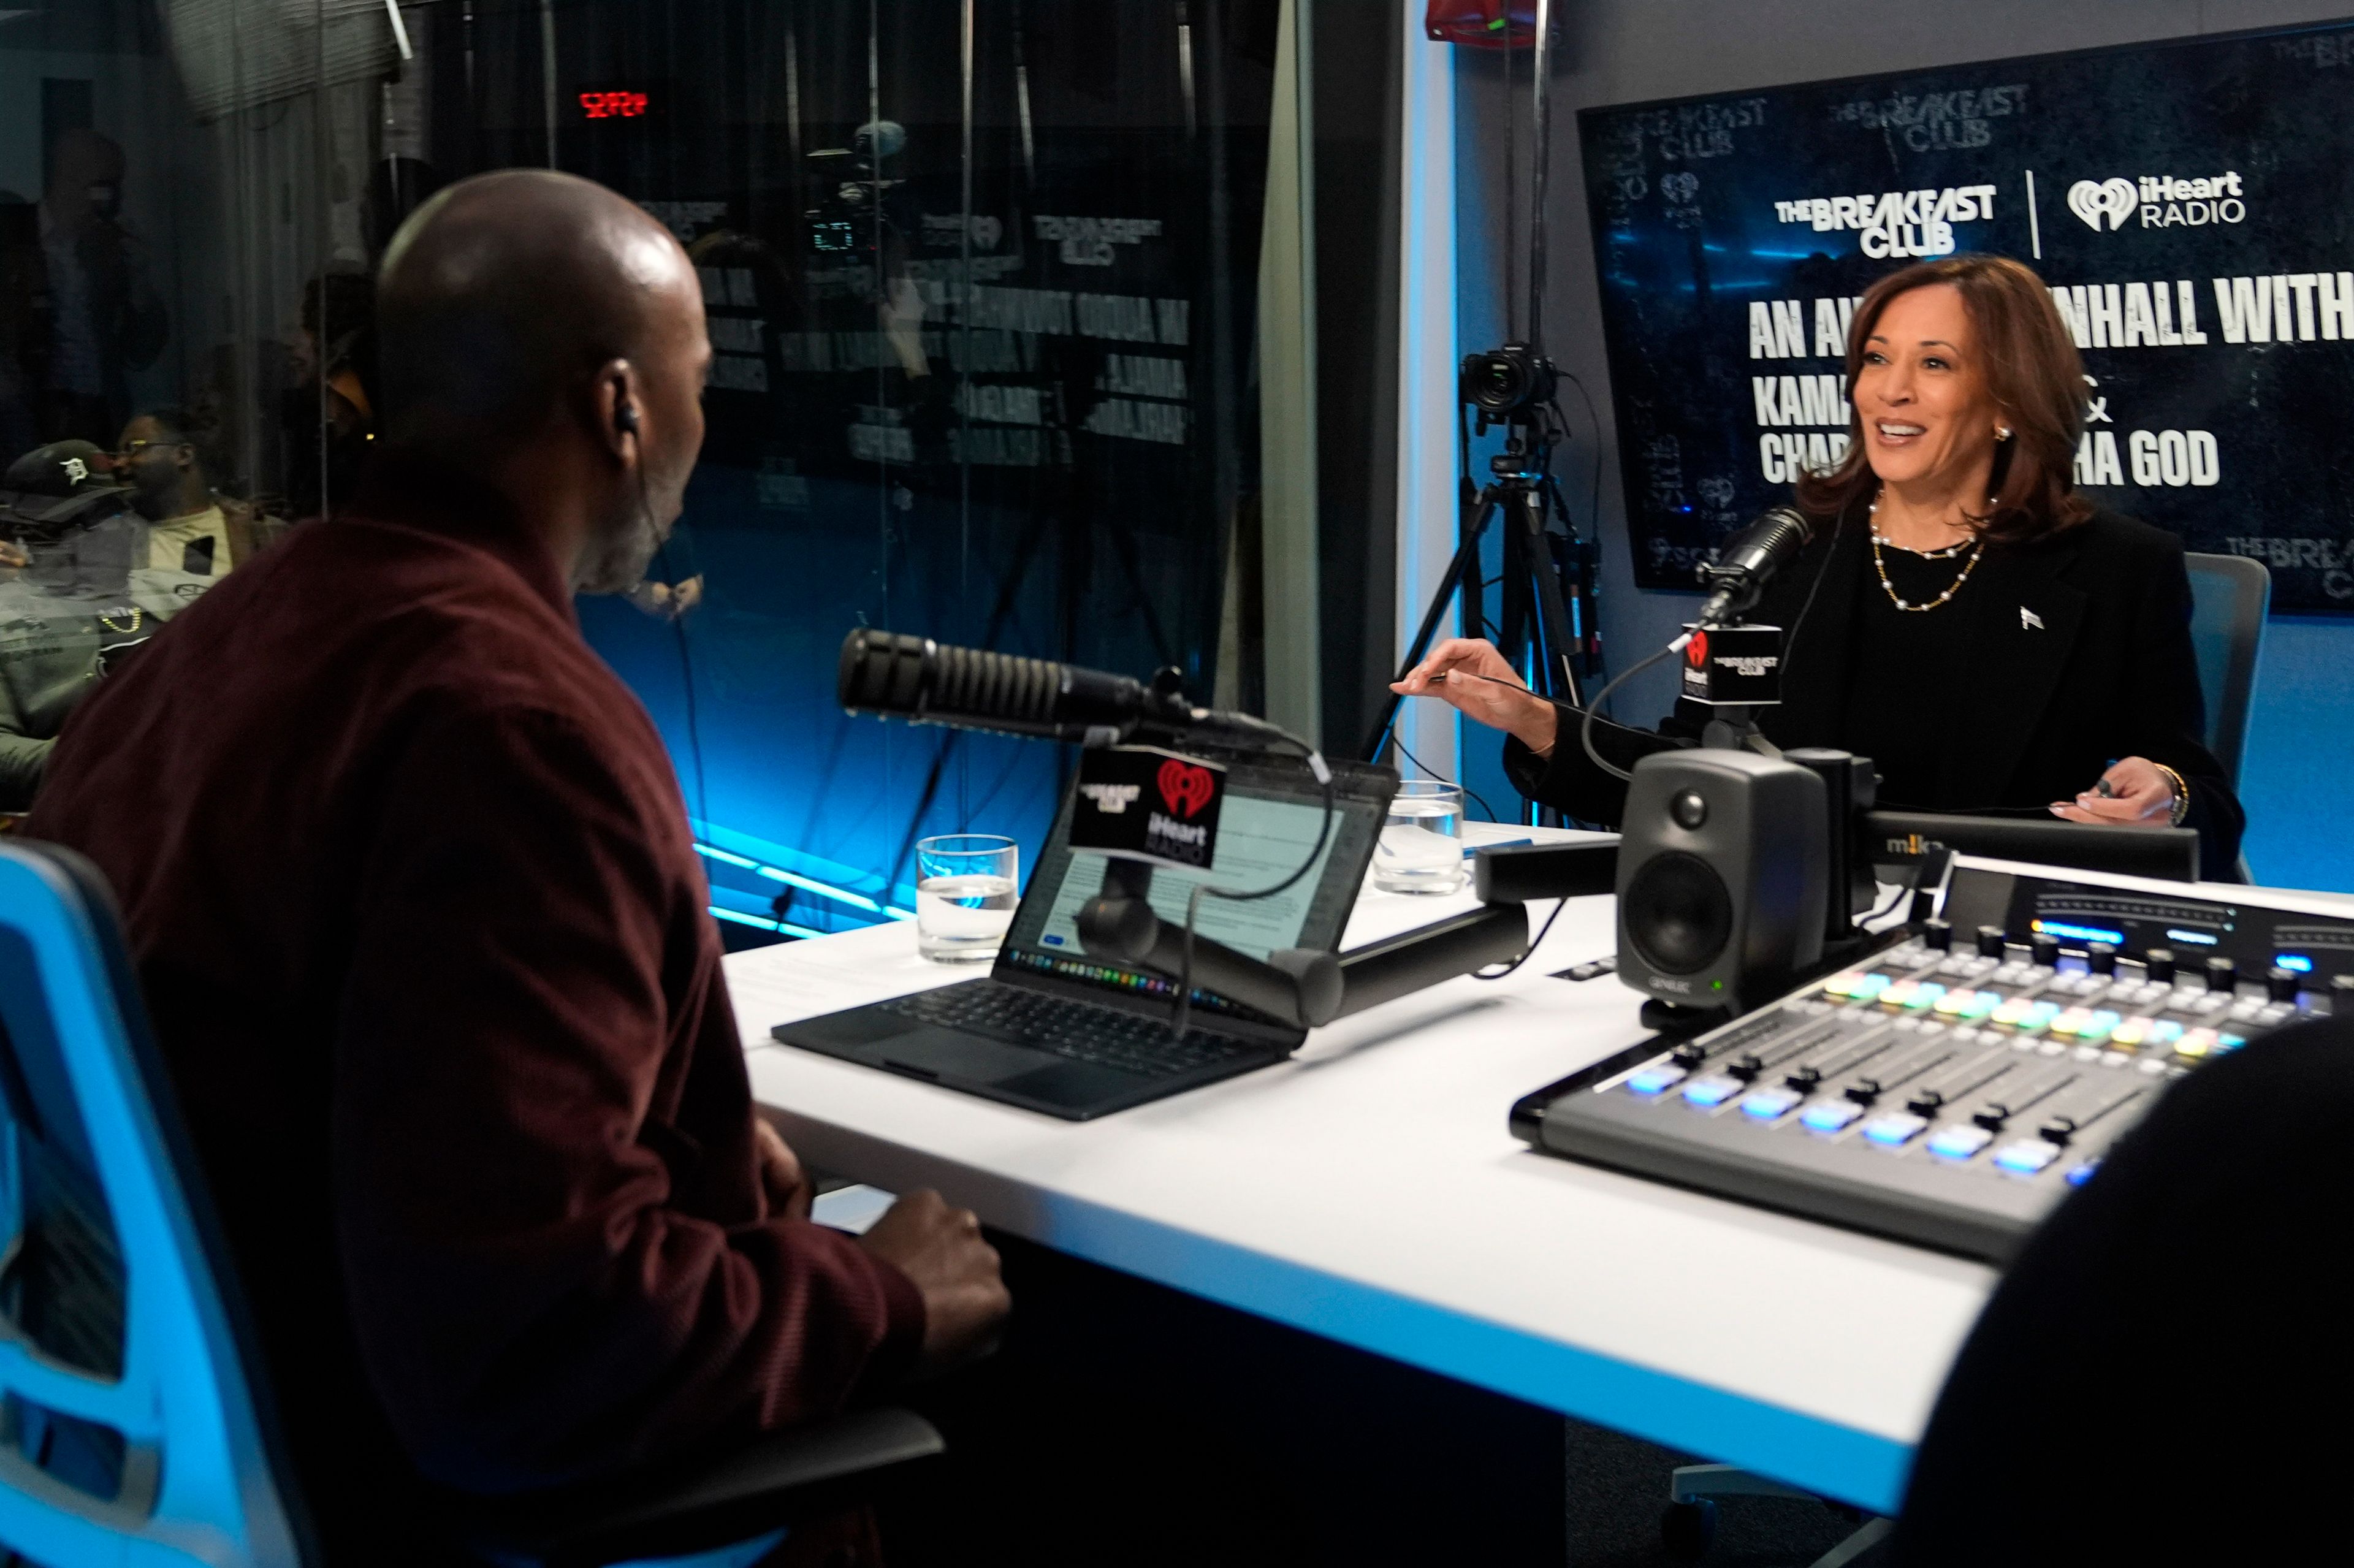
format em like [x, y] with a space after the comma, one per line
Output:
[1482, 684]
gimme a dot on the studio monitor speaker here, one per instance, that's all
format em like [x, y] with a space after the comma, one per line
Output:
[1723, 874]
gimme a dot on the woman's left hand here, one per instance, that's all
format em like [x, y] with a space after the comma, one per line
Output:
[2141, 796]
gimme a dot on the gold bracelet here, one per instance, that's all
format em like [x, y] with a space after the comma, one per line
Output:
[2182, 794]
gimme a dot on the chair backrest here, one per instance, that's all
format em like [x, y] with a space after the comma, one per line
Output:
[131, 1430]
[2229, 597]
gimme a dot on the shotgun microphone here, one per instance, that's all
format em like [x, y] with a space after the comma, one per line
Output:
[1747, 562]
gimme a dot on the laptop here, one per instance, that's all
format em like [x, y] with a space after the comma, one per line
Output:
[1055, 1030]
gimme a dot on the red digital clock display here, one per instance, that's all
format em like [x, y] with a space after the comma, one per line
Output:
[620, 104]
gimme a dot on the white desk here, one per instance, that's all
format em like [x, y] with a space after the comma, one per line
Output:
[1368, 1191]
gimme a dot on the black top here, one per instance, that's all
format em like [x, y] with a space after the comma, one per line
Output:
[1907, 667]
[2075, 651]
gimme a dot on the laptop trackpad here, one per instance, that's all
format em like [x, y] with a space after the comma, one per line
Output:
[942, 1053]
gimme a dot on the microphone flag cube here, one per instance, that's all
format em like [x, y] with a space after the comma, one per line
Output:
[1733, 665]
[1140, 802]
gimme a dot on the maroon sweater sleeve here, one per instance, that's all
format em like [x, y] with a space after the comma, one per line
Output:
[548, 1213]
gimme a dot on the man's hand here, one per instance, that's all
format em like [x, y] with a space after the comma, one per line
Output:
[10, 555]
[2140, 797]
[788, 1186]
[939, 1248]
[1482, 684]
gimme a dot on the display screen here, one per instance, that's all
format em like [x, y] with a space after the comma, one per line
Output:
[1264, 835]
[2079, 914]
[2191, 203]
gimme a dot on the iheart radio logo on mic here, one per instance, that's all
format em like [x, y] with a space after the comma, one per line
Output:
[1186, 786]
[1696, 652]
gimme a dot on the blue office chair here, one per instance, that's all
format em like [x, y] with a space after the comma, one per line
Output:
[2229, 598]
[135, 1425]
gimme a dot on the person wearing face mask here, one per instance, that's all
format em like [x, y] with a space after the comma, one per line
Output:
[80, 314]
[1994, 641]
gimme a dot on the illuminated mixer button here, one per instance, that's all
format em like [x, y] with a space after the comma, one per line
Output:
[2080, 1174]
[1830, 1116]
[1843, 983]
[2012, 1013]
[2026, 1156]
[1900, 993]
[2070, 1020]
[1895, 1129]
[1768, 1105]
[2197, 1042]
[1869, 988]
[2165, 1031]
[2038, 1018]
[1959, 1142]
[2102, 1026]
[1926, 995]
[1655, 1080]
[1712, 1091]
[2132, 1032]
[2226, 1043]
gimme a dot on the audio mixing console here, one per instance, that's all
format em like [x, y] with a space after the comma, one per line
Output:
[1951, 1088]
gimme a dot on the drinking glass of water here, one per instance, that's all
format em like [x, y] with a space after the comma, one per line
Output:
[964, 895]
[1421, 848]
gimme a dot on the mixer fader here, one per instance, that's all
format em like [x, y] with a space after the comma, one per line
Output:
[1950, 1090]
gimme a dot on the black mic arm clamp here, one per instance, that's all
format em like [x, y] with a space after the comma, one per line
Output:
[1309, 987]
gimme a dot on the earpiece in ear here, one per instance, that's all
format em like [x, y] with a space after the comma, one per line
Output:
[625, 418]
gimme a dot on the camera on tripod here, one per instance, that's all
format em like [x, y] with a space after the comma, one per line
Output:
[1508, 386]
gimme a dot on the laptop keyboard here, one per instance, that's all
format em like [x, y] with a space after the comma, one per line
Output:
[1103, 1035]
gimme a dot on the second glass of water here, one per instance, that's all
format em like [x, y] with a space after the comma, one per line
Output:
[965, 895]
[1421, 848]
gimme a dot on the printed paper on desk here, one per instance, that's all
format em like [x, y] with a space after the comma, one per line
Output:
[1142, 803]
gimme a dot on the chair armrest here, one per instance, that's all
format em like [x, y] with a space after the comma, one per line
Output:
[684, 1506]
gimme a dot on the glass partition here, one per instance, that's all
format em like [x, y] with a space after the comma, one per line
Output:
[981, 279]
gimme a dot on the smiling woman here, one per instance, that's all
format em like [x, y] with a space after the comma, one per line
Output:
[1989, 638]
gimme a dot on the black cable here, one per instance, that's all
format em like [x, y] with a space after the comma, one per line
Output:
[1534, 943]
[1434, 773]
[1586, 725]
[1181, 1018]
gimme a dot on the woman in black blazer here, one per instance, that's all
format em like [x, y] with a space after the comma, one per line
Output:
[1990, 639]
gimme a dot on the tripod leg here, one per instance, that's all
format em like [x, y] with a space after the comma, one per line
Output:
[1561, 648]
[1466, 559]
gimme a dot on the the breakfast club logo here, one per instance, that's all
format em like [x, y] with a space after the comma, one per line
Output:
[2158, 201]
[1896, 223]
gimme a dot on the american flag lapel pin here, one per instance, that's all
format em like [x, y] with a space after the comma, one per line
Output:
[2029, 621]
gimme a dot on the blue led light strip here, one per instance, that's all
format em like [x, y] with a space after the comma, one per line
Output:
[787, 926]
[2081, 933]
[807, 883]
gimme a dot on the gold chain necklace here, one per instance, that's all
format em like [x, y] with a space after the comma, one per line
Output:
[1880, 564]
[137, 617]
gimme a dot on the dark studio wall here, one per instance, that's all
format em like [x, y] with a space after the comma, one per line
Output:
[2299, 766]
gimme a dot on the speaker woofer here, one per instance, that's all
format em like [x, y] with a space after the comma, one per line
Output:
[1678, 914]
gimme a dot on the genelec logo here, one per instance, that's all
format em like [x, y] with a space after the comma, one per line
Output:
[2159, 201]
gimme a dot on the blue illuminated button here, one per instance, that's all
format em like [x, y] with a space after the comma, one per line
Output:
[1768, 1105]
[1959, 1142]
[2103, 1025]
[2026, 1157]
[1712, 1091]
[1655, 1080]
[1895, 1129]
[2082, 1173]
[1830, 1116]
[2227, 1043]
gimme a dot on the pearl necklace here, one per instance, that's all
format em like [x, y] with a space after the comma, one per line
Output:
[1880, 564]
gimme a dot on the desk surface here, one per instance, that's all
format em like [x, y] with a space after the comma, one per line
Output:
[1369, 1191]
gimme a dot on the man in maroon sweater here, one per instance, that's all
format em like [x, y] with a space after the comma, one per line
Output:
[411, 888]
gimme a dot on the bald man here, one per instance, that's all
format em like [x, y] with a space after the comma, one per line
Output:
[427, 946]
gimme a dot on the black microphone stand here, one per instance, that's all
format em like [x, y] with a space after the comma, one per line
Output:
[1309, 987]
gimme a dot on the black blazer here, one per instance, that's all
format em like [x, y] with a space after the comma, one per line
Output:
[2109, 673]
